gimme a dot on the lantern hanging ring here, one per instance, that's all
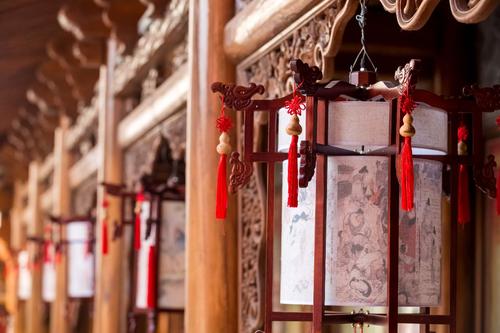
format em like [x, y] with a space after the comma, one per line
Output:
[363, 53]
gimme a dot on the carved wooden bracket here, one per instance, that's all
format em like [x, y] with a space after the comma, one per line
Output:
[486, 98]
[84, 19]
[305, 76]
[237, 97]
[484, 177]
[407, 75]
[158, 7]
[122, 17]
[240, 172]
[42, 96]
[307, 163]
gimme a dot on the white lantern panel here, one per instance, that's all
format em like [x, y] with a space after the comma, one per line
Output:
[141, 300]
[356, 237]
[172, 267]
[49, 276]
[24, 286]
[431, 125]
[355, 123]
[297, 244]
[80, 260]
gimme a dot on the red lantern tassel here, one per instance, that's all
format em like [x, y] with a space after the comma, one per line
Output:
[407, 181]
[104, 237]
[58, 256]
[46, 252]
[293, 182]
[137, 231]
[151, 278]
[463, 196]
[221, 198]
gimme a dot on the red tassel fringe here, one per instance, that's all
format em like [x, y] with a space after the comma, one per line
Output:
[221, 198]
[46, 252]
[293, 181]
[151, 278]
[104, 237]
[407, 181]
[137, 231]
[463, 195]
[58, 257]
[139, 199]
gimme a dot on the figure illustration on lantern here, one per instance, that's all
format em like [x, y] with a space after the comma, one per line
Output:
[358, 251]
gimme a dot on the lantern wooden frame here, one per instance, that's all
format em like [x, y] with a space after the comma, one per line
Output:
[314, 152]
[157, 192]
[61, 244]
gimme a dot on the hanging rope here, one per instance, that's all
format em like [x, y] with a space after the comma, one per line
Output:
[363, 53]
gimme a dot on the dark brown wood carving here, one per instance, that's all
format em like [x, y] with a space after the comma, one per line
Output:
[307, 163]
[240, 172]
[406, 76]
[486, 98]
[485, 177]
[238, 97]
[306, 76]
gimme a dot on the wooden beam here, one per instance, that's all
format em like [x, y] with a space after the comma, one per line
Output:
[211, 303]
[249, 29]
[167, 99]
[85, 167]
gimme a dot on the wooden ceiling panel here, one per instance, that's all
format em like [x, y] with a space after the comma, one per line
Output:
[25, 27]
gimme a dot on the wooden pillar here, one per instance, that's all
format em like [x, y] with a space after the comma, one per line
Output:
[61, 207]
[16, 242]
[110, 315]
[35, 228]
[211, 304]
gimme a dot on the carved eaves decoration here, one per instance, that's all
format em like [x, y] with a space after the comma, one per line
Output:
[414, 14]
[139, 157]
[162, 35]
[83, 197]
[122, 17]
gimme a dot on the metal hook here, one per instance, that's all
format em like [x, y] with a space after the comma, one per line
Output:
[363, 53]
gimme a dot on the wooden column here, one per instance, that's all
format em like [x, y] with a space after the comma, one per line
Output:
[61, 207]
[211, 304]
[35, 228]
[16, 242]
[109, 306]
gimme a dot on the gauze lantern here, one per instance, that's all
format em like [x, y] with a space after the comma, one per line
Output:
[356, 239]
[155, 211]
[357, 214]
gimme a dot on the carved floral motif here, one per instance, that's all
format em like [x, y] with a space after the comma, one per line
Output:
[252, 224]
[240, 172]
[312, 43]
